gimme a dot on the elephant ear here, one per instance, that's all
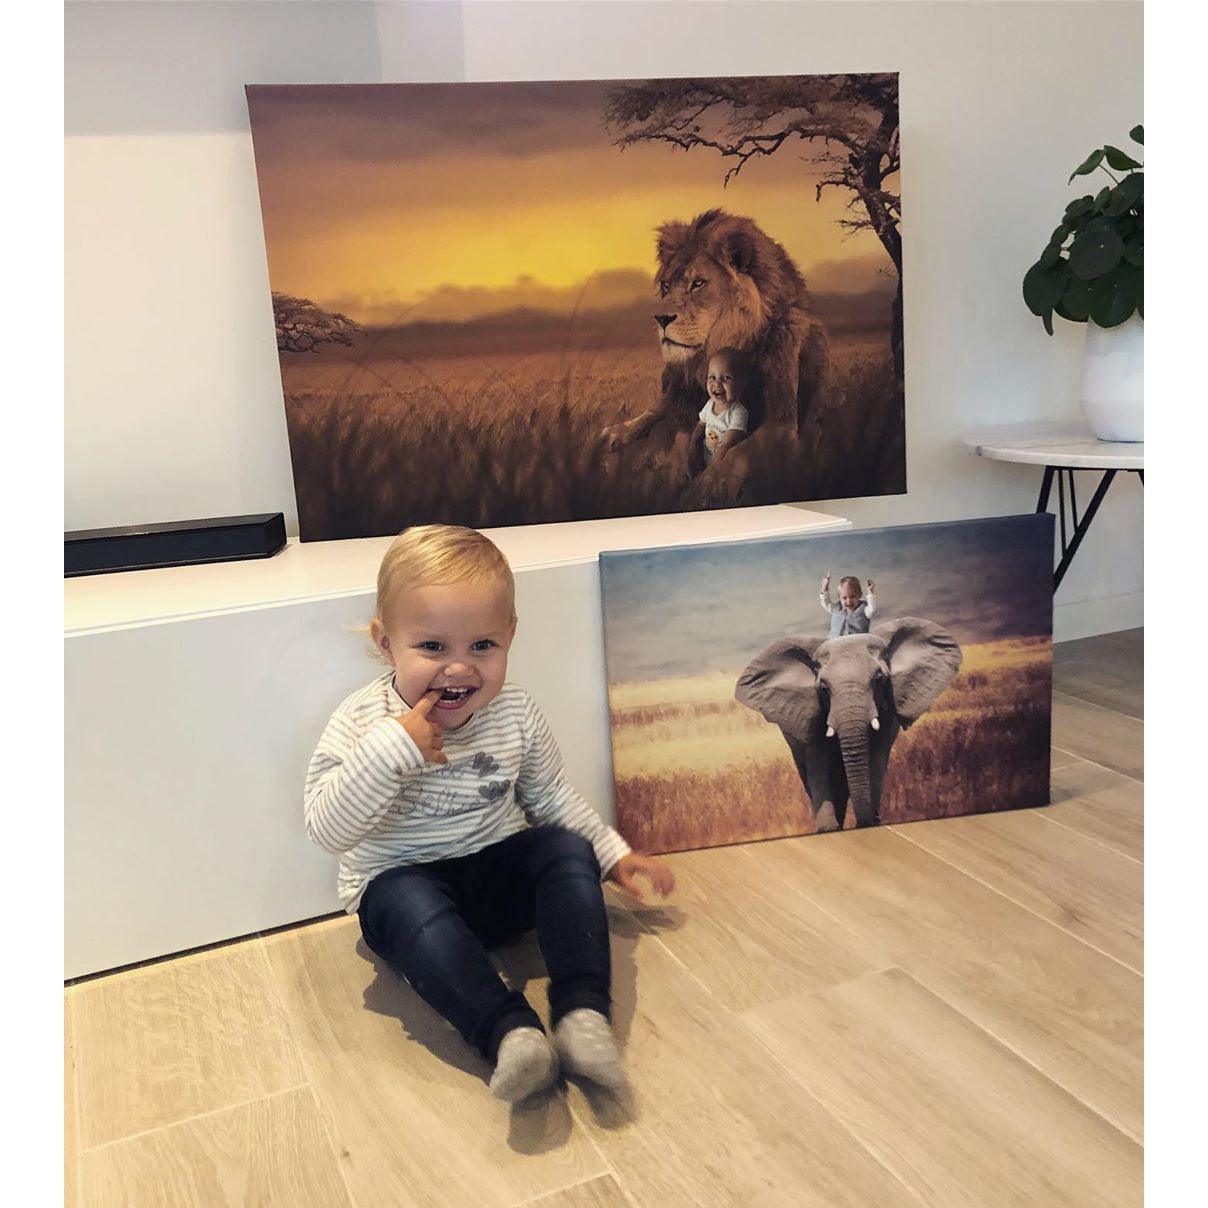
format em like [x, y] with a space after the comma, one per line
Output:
[923, 658]
[782, 684]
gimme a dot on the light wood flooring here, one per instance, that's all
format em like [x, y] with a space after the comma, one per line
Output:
[946, 1013]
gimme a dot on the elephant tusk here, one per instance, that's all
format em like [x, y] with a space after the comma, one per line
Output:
[830, 731]
[876, 723]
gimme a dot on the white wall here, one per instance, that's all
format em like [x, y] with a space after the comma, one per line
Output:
[173, 399]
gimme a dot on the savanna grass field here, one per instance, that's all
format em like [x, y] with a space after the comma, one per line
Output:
[382, 438]
[693, 768]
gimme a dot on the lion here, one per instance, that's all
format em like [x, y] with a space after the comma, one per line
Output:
[722, 282]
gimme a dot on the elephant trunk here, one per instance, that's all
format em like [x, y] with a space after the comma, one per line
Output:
[850, 719]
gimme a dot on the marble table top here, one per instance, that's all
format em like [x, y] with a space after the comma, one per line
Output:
[1050, 443]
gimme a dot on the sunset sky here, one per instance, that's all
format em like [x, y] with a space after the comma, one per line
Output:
[449, 201]
[702, 608]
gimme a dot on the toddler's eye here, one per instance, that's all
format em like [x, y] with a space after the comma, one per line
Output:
[482, 644]
[431, 647]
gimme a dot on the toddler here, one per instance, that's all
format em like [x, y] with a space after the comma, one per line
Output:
[852, 613]
[723, 420]
[441, 788]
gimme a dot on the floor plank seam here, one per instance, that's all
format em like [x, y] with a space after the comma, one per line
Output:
[1094, 763]
[1015, 902]
[214, 1111]
[839, 1121]
[1004, 1043]
[546, 1195]
[331, 1144]
[737, 1017]
[912, 970]
[304, 1066]
[75, 1100]
[1040, 811]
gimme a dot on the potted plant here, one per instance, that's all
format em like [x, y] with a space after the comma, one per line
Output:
[1092, 271]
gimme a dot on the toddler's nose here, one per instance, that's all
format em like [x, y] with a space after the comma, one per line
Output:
[456, 670]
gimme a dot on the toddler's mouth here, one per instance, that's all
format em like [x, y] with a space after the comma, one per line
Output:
[455, 697]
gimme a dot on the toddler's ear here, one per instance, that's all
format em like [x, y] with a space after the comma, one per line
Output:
[377, 631]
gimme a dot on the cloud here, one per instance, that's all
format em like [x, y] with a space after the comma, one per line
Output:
[609, 290]
[406, 123]
[855, 275]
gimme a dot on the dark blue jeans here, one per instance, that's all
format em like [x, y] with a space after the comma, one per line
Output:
[433, 923]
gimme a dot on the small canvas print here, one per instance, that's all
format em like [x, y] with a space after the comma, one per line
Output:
[795, 685]
[515, 303]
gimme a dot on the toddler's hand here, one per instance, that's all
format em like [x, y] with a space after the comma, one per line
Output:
[425, 733]
[656, 871]
[826, 581]
[872, 587]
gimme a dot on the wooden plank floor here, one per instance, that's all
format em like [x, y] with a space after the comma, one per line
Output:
[945, 1013]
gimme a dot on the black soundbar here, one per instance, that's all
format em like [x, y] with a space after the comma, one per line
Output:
[181, 543]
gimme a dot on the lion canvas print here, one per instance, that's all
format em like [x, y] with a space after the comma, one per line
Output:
[798, 685]
[502, 304]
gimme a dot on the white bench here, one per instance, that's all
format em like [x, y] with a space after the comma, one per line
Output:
[195, 695]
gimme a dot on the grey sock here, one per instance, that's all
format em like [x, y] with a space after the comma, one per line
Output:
[585, 1043]
[525, 1064]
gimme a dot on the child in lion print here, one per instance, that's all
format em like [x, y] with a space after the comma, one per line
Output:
[724, 420]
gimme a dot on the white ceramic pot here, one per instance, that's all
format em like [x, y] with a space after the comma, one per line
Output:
[1113, 380]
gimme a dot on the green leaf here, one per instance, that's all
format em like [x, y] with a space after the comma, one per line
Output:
[1096, 249]
[1134, 251]
[1137, 134]
[1076, 301]
[1059, 236]
[1049, 256]
[1080, 205]
[1126, 195]
[1088, 165]
[1118, 160]
[1114, 297]
[1043, 286]
[1047, 319]
[1101, 198]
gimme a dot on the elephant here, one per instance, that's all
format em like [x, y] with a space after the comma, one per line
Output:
[841, 702]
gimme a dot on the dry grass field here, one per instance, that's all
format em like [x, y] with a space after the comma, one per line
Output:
[694, 768]
[379, 444]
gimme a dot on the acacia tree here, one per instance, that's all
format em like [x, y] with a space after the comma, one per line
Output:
[301, 325]
[853, 117]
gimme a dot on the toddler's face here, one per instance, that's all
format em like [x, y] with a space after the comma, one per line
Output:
[723, 383]
[455, 638]
[849, 596]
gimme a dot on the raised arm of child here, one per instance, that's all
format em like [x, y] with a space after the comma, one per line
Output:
[824, 594]
[870, 603]
[354, 778]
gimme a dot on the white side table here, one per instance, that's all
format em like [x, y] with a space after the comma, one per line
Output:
[1063, 450]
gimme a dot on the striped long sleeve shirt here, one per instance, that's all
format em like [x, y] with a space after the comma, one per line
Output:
[371, 798]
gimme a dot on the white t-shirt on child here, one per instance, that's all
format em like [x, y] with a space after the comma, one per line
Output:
[733, 419]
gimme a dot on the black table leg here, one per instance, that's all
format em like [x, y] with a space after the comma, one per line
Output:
[1081, 523]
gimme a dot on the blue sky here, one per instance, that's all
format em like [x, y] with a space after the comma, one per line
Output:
[696, 609]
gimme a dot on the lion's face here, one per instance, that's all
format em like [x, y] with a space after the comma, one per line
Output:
[702, 303]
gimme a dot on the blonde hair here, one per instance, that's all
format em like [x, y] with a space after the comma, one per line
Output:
[435, 555]
[851, 579]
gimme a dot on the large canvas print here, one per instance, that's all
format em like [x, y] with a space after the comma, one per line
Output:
[503, 304]
[788, 686]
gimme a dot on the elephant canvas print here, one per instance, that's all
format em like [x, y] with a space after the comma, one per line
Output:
[511, 303]
[797, 685]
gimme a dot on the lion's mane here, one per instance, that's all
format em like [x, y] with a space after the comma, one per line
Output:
[722, 282]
